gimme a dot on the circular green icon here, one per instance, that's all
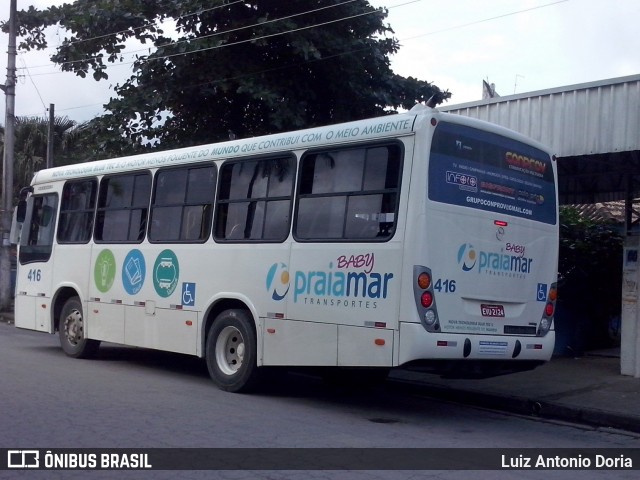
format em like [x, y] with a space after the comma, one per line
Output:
[104, 271]
[166, 272]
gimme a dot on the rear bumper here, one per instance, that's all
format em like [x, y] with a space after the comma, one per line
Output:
[473, 352]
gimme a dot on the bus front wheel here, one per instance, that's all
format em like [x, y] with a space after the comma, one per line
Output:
[72, 333]
[231, 351]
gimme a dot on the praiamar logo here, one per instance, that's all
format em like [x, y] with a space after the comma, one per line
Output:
[467, 257]
[278, 281]
[495, 263]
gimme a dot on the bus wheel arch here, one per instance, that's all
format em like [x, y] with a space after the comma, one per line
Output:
[60, 298]
[231, 349]
[70, 323]
[212, 313]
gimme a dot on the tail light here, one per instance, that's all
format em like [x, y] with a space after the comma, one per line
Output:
[549, 311]
[425, 299]
[424, 280]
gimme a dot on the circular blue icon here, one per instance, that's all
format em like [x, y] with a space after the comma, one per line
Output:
[133, 272]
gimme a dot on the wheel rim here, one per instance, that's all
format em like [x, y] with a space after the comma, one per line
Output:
[73, 329]
[230, 350]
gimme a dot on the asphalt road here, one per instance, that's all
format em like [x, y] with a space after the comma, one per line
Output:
[136, 398]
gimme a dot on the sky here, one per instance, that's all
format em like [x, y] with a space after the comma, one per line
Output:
[518, 45]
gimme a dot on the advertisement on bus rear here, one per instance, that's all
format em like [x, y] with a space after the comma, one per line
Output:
[482, 170]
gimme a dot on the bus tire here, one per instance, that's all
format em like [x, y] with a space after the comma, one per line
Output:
[231, 351]
[71, 331]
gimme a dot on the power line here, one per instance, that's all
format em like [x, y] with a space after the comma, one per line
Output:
[150, 24]
[244, 75]
[243, 41]
[232, 30]
[34, 84]
[249, 40]
[464, 25]
[327, 57]
[130, 52]
[306, 28]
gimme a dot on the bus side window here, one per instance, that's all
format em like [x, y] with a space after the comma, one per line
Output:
[123, 204]
[349, 194]
[254, 200]
[182, 204]
[77, 211]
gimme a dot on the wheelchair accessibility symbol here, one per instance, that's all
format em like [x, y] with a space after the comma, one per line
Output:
[542, 292]
[188, 294]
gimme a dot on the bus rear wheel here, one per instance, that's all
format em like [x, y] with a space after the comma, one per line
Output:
[71, 331]
[231, 351]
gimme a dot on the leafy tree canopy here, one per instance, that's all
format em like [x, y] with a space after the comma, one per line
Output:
[30, 146]
[251, 66]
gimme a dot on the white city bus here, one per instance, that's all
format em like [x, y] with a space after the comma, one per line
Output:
[425, 240]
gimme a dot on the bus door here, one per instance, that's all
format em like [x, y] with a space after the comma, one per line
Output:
[35, 271]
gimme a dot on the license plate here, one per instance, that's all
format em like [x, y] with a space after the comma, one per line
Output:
[492, 310]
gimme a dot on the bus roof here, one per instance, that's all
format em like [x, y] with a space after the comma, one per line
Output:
[370, 129]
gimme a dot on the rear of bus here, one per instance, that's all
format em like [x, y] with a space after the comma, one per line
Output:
[482, 250]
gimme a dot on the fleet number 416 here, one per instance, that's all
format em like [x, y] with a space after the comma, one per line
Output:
[446, 285]
[34, 275]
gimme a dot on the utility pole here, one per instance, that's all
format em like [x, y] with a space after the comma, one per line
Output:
[52, 117]
[7, 164]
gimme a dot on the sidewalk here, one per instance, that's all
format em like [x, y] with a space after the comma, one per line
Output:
[588, 389]
[6, 317]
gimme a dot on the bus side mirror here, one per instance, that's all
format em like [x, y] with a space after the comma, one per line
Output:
[16, 227]
[21, 211]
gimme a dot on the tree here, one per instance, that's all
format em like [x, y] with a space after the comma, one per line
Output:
[589, 279]
[249, 67]
[31, 145]
[98, 139]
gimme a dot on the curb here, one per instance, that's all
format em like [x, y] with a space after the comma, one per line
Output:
[522, 406]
